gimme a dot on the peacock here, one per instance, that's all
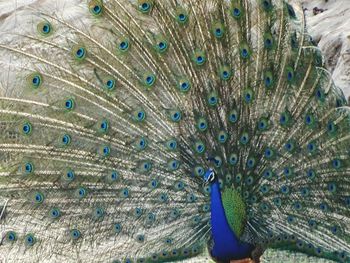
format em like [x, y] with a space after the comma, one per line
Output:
[155, 130]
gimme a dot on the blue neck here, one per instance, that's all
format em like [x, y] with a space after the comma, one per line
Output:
[226, 244]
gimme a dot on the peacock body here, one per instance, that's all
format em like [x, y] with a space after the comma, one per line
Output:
[149, 130]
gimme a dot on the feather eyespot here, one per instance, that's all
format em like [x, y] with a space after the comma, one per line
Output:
[44, 28]
[96, 7]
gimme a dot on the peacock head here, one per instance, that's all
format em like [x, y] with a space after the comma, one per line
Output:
[209, 176]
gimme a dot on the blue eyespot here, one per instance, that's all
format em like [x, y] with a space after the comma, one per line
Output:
[332, 187]
[195, 220]
[55, 213]
[248, 96]
[162, 46]
[66, 139]
[277, 201]
[141, 143]
[28, 168]
[104, 126]
[312, 223]
[251, 162]
[75, 234]
[117, 228]
[264, 188]
[331, 128]
[38, 198]
[110, 84]
[311, 174]
[269, 153]
[285, 189]
[267, 173]
[44, 28]
[145, 166]
[182, 17]
[70, 175]
[233, 116]
[297, 206]
[80, 53]
[199, 147]
[200, 59]
[336, 163]
[96, 10]
[324, 207]
[305, 191]
[244, 139]
[140, 238]
[154, 184]
[11, 236]
[179, 185]
[268, 43]
[150, 218]
[309, 119]
[233, 159]
[244, 53]
[125, 192]
[284, 119]
[173, 165]
[184, 85]
[106, 151]
[225, 75]
[264, 207]
[69, 104]
[114, 176]
[320, 95]
[311, 147]
[81, 192]
[36, 81]
[267, 5]
[287, 171]
[199, 171]
[222, 137]
[318, 251]
[171, 144]
[163, 197]
[27, 128]
[138, 212]
[139, 115]
[236, 12]
[175, 115]
[334, 230]
[30, 240]
[202, 124]
[249, 180]
[149, 80]
[145, 7]
[98, 213]
[123, 45]
[218, 32]
[290, 146]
